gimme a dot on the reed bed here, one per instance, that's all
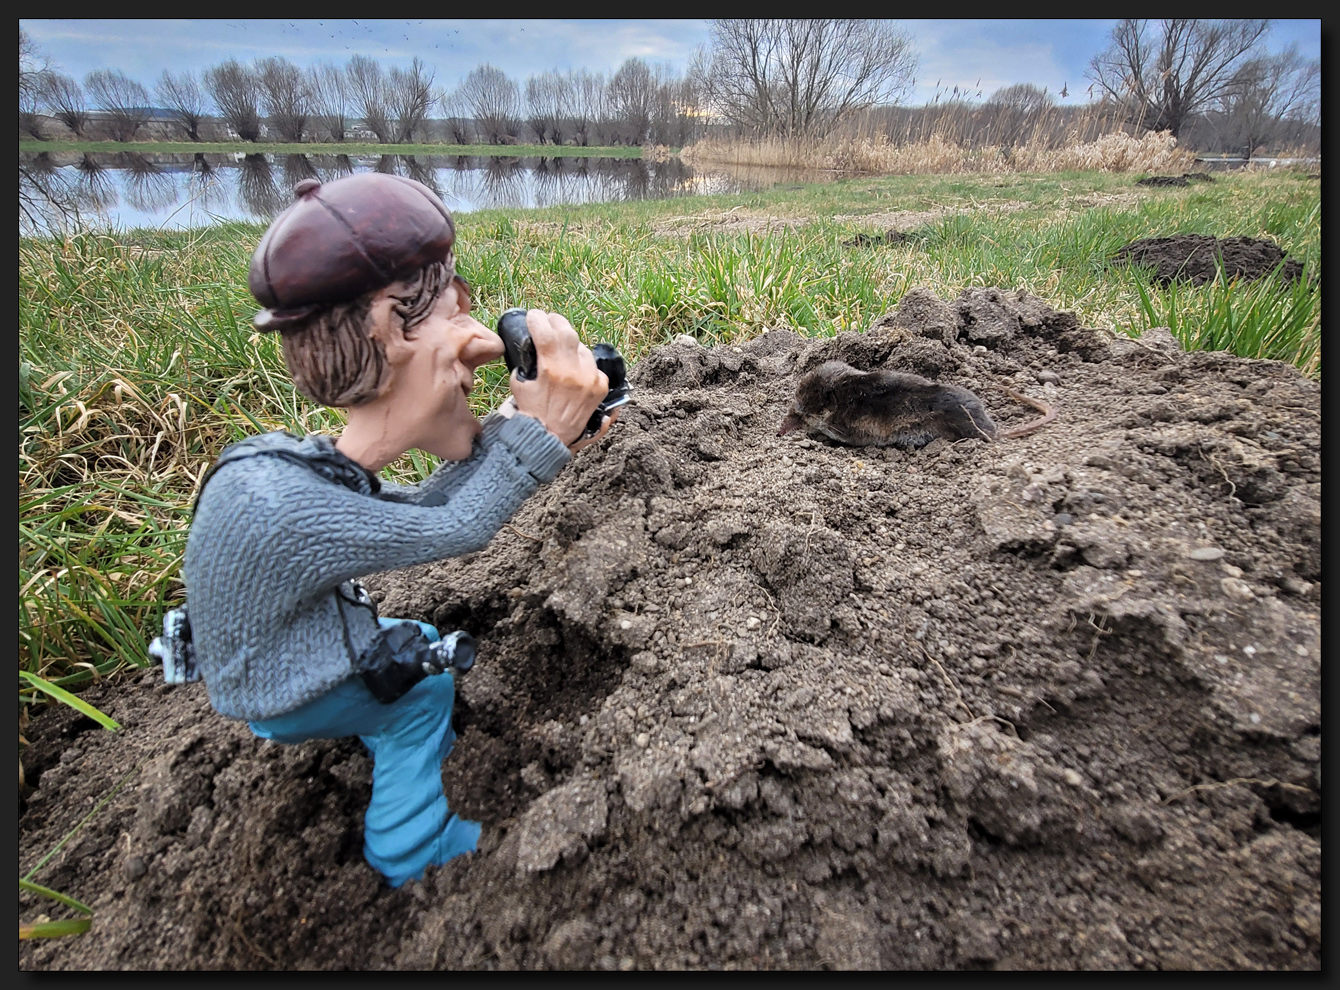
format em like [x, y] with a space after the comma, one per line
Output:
[939, 154]
[138, 362]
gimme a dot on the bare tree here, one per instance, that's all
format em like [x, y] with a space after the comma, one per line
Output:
[29, 121]
[675, 107]
[456, 116]
[409, 99]
[284, 97]
[330, 100]
[34, 68]
[548, 96]
[123, 101]
[1160, 77]
[588, 103]
[493, 100]
[630, 98]
[1271, 90]
[236, 92]
[802, 76]
[1011, 112]
[183, 97]
[64, 99]
[370, 95]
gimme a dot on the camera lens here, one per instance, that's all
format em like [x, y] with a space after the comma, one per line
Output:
[518, 348]
[459, 648]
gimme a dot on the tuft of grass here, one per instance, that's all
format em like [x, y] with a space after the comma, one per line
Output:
[48, 928]
[1258, 319]
[58, 928]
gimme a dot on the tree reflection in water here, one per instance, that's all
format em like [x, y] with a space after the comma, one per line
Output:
[501, 180]
[45, 202]
[332, 167]
[296, 168]
[463, 188]
[257, 189]
[422, 172]
[148, 187]
[206, 187]
[549, 185]
[61, 192]
[94, 187]
[410, 167]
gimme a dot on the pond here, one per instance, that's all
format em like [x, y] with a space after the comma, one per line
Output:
[62, 191]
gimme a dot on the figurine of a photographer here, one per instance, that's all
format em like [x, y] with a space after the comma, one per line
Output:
[358, 277]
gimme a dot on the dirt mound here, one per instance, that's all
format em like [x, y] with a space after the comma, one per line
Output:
[864, 239]
[1195, 258]
[750, 701]
[1185, 179]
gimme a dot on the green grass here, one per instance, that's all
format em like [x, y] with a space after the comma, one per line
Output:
[138, 362]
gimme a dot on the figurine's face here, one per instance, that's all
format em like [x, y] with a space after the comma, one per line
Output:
[436, 371]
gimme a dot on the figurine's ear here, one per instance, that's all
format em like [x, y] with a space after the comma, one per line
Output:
[387, 326]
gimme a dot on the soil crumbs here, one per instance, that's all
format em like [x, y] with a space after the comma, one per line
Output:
[750, 702]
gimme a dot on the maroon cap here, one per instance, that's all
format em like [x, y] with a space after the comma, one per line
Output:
[345, 238]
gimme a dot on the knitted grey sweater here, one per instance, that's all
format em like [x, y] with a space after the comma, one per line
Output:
[284, 523]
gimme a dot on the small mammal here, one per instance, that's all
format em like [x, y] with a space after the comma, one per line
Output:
[895, 409]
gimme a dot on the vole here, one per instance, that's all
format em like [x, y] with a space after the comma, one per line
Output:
[895, 409]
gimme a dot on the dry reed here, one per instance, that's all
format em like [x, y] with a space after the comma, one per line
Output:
[939, 154]
[951, 135]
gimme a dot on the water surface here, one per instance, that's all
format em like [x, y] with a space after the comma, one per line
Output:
[62, 191]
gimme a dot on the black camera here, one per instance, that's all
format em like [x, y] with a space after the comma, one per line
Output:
[519, 353]
[400, 656]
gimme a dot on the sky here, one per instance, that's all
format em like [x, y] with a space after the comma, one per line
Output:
[974, 55]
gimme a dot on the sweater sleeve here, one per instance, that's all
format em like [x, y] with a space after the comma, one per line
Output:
[314, 537]
[540, 451]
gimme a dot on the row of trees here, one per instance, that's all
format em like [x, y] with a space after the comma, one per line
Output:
[759, 76]
[273, 98]
[639, 103]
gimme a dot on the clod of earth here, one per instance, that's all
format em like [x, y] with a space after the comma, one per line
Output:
[891, 236]
[745, 701]
[1186, 178]
[1195, 258]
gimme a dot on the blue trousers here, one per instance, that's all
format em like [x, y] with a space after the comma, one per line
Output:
[408, 826]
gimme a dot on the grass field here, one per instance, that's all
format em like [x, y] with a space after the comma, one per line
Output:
[138, 362]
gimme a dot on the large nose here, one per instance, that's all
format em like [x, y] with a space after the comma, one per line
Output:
[484, 346]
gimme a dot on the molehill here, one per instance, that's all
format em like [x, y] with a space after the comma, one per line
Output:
[750, 701]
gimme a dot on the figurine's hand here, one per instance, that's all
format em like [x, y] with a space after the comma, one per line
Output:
[605, 425]
[568, 386]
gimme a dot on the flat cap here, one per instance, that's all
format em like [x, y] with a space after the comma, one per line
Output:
[343, 239]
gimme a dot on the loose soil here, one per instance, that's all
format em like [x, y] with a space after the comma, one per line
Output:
[750, 701]
[1186, 178]
[1195, 258]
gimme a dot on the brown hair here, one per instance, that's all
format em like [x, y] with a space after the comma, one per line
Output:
[333, 357]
